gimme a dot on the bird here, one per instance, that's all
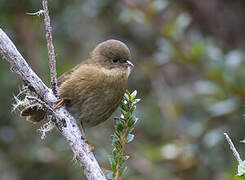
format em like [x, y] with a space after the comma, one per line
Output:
[92, 90]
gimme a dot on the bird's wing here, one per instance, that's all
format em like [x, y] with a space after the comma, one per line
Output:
[79, 82]
[67, 75]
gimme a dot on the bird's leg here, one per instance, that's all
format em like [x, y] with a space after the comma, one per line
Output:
[86, 139]
[59, 103]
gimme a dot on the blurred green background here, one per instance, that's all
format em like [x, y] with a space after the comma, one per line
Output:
[189, 73]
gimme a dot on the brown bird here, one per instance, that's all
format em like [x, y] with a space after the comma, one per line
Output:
[92, 90]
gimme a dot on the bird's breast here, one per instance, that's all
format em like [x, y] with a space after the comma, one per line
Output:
[99, 97]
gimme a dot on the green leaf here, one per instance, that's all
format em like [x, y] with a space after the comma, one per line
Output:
[130, 138]
[132, 109]
[117, 122]
[111, 159]
[127, 115]
[131, 122]
[115, 139]
[135, 119]
[126, 97]
[122, 171]
[118, 134]
[133, 94]
[120, 128]
[109, 174]
[136, 101]
[112, 163]
[126, 157]
[122, 159]
[124, 106]
[241, 169]
[115, 152]
[122, 114]
[118, 145]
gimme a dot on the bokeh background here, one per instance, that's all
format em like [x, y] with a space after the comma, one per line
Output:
[189, 73]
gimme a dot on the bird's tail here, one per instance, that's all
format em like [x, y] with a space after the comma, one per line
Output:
[33, 113]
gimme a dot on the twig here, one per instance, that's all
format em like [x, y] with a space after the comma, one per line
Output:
[40, 102]
[50, 46]
[233, 149]
[68, 127]
[38, 13]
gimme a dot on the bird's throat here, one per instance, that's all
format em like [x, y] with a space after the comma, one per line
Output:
[116, 72]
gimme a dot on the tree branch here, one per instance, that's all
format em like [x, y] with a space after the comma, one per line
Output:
[233, 149]
[50, 46]
[64, 121]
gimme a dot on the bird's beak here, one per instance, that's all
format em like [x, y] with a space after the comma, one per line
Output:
[129, 64]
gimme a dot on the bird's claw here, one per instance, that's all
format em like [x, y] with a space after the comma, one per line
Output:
[91, 147]
[59, 103]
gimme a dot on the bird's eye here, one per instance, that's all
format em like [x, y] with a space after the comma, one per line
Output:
[115, 60]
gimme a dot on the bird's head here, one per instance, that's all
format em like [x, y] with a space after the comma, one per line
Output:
[113, 55]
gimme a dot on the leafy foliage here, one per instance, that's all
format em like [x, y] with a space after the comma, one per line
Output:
[241, 170]
[124, 126]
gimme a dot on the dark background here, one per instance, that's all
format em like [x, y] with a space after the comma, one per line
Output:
[189, 73]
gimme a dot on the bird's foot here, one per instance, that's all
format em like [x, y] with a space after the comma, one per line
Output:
[91, 147]
[59, 103]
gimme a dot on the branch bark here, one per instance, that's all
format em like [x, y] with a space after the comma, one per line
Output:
[50, 46]
[64, 121]
[233, 149]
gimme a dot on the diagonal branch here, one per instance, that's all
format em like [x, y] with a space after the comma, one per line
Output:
[233, 148]
[51, 54]
[65, 122]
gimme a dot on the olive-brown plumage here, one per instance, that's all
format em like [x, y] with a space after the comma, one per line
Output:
[93, 89]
